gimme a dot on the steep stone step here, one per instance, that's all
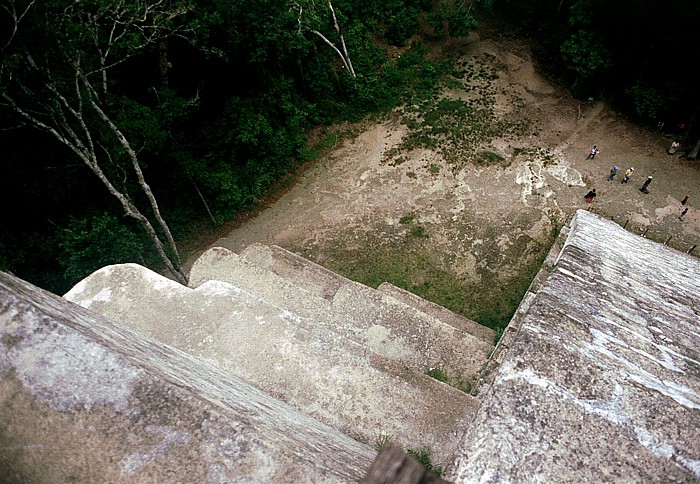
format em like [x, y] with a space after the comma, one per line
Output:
[372, 319]
[443, 314]
[304, 273]
[321, 281]
[317, 371]
[434, 344]
[83, 399]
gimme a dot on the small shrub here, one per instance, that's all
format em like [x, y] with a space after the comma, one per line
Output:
[434, 169]
[412, 175]
[465, 386]
[488, 158]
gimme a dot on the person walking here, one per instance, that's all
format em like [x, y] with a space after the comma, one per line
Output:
[628, 174]
[685, 200]
[594, 151]
[645, 185]
[613, 172]
[590, 196]
[683, 214]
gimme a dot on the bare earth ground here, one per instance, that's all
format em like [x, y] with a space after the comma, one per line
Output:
[481, 228]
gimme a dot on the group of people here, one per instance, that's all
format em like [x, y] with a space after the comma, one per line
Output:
[591, 195]
[626, 178]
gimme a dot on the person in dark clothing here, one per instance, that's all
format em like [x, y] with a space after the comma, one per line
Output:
[590, 196]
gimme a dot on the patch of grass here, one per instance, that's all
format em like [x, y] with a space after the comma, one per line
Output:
[465, 386]
[424, 456]
[438, 374]
[498, 335]
[411, 175]
[434, 169]
[382, 441]
[415, 264]
[326, 142]
[419, 231]
[407, 219]
[397, 161]
[488, 158]
[456, 127]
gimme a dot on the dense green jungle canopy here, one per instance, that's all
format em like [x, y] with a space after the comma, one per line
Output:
[125, 121]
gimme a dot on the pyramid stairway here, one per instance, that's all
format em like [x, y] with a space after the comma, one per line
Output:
[271, 369]
[350, 356]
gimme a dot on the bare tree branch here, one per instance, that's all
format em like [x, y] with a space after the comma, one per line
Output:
[344, 56]
[114, 33]
[15, 19]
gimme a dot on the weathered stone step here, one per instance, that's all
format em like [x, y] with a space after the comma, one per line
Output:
[321, 281]
[319, 372]
[304, 273]
[434, 344]
[443, 314]
[84, 399]
[375, 320]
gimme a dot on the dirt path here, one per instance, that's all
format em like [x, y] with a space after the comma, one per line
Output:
[484, 227]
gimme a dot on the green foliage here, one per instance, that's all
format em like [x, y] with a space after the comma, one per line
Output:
[407, 219]
[5, 262]
[89, 244]
[581, 14]
[498, 334]
[424, 456]
[401, 25]
[488, 158]
[419, 232]
[451, 18]
[438, 374]
[647, 101]
[586, 55]
[382, 441]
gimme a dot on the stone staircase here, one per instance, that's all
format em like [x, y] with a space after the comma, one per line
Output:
[350, 356]
[271, 369]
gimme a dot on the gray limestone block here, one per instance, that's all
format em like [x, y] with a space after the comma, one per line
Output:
[443, 314]
[83, 399]
[302, 272]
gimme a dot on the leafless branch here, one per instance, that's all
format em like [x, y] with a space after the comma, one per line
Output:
[15, 19]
